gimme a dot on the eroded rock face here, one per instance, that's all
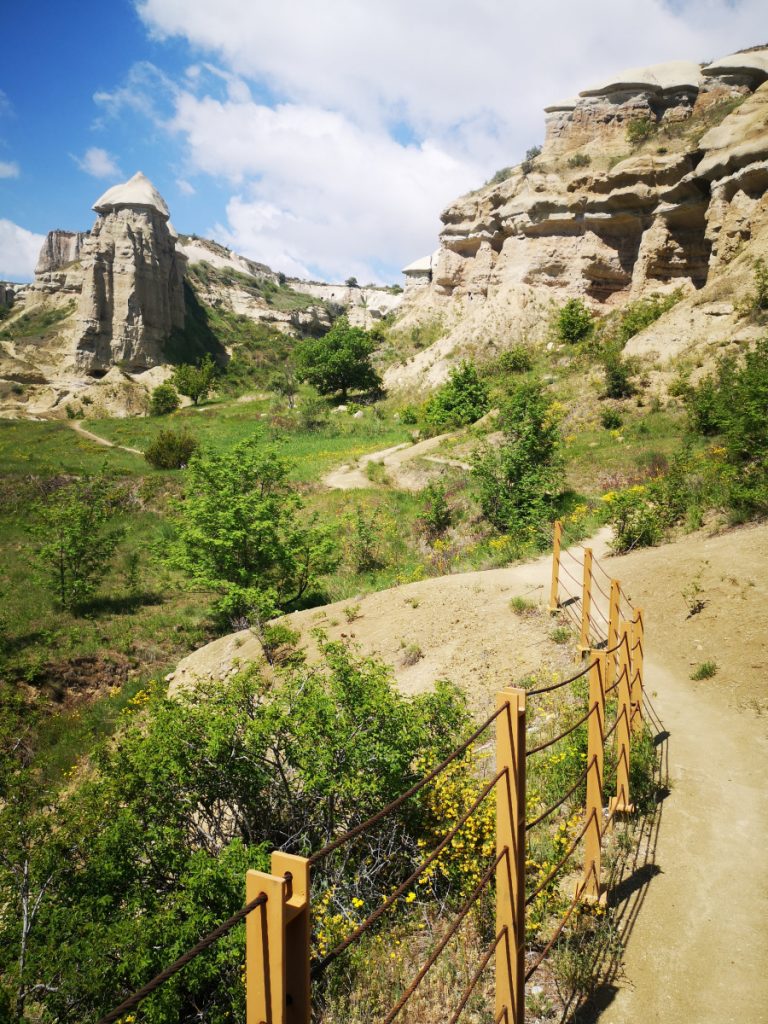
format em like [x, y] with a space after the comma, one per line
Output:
[133, 282]
[590, 221]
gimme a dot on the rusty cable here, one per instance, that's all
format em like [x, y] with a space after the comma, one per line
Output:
[190, 955]
[542, 886]
[550, 743]
[374, 819]
[563, 682]
[464, 910]
[319, 967]
[536, 821]
[477, 975]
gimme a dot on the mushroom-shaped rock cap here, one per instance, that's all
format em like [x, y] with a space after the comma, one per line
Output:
[754, 63]
[137, 191]
[675, 74]
[420, 266]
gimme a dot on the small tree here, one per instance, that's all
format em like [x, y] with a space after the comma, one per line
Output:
[78, 538]
[164, 399]
[351, 282]
[338, 361]
[461, 400]
[283, 383]
[171, 449]
[574, 322]
[242, 531]
[195, 382]
[517, 481]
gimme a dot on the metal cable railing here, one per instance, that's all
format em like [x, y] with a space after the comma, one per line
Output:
[563, 682]
[550, 810]
[560, 864]
[465, 996]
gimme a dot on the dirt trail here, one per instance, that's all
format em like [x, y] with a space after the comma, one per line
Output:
[697, 951]
[80, 429]
[395, 461]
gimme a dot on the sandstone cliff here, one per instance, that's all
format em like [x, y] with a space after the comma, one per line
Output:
[653, 181]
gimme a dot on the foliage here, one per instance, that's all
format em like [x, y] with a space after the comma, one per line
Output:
[530, 156]
[37, 322]
[636, 316]
[757, 302]
[436, 513]
[195, 382]
[339, 361]
[501, 175]
[636, 519]
[517, 359]
[706, 670]
[618, 374]
[363, 538]
[574, 322]
[639, 129]
[171, 449]
[241, 531]
[516, 482]
[579, 160]
[77, 538]
[611, 419]
[463, 399]
[351, 282]
[163, 400]
[149, 852]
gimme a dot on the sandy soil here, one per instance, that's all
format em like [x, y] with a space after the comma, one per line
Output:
[398, 463]
[80, 429]
[697, 949]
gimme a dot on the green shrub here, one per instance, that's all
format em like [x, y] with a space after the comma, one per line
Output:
[574, 322]
[641, 314]
[195, 382]
[530, 156]
[579, 160]
[163, 400]
[436, 516]
[338, 361]
[618, 375]
[516, 481]
[635, 518]
[461, 400]
[171, 449]
[640, 129]
[409, 415]
[517, 359]
[705, 670]
[611, 419]
[757, 302]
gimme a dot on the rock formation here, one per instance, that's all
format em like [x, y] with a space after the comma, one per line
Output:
[604, 213]
[133, 281]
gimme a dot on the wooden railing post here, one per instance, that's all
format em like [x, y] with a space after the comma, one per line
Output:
[277, 941]
[510, 873]
[586, 602]
[614, 615]
[554, 594]
[589, 888]
[621, 804]
[637, 640]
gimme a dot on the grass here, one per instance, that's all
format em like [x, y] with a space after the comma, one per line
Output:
[706, 670]
[37, 322]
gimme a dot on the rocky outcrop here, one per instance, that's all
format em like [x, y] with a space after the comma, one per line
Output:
[60, 248]
[133, 281]
[587, 218]
[7, 295]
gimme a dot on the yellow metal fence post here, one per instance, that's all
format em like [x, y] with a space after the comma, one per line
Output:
[554, 594]
[589, 888]
[277, 938]
[637, 640]
[510, 872]
[621, 803]
[586, 602]
[614, 615]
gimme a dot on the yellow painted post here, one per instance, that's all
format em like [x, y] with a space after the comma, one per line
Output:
[510, 873]
[586, 602]
[614, 615]
[589, 887]
[277, 937]
[621, 803]
[637, 640]
[554, 594]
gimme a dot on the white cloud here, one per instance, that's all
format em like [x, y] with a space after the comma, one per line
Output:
[8, 170]
[185, 187]
[316, 192]
[98, 163]
[19, 250]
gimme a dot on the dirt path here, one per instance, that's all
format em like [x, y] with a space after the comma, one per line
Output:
[698, 946]
[396, 463]
[80, 429]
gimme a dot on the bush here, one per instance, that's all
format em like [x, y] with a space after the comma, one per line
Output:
[618, 375]
[461, 400]
[611, 419]
[163, 400]
[574, 322]
[640, 129]
[641, 314]
[515, 360]
[436, 513]
[579, 160]
[530, 155]
[517, 481]
[195, 382]
[635, 518]
[171, 449]
[706, 670]
[757, 302]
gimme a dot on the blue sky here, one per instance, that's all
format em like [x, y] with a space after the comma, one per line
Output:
[322, 139]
